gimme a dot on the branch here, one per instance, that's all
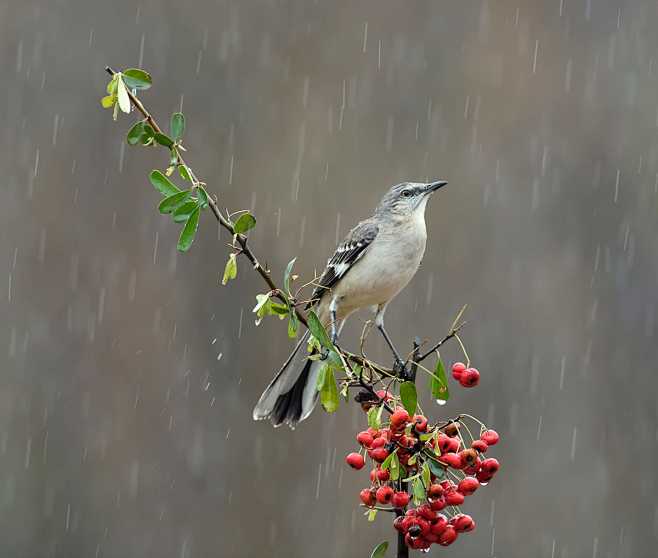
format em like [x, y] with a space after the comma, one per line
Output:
[454, 331]
[242, 239]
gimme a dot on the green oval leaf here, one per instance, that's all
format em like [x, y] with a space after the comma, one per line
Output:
[122, 95]
[287, 274]
[293, 324]
[135, 133]
[162, 184]
[329, 394]
[189, 231]
[183, 212]
[184, 173]
[177, 126]
[409, 396]
[163, 139]
[108, 101]
[231, 269]
[172, 202]
[245, 222]
[318, 331]
[439, 383]
[137, 79]
[112, 85]
[380, 550]
[203, 197]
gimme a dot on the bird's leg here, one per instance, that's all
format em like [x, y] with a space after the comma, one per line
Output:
[379, 322]
[333, 308]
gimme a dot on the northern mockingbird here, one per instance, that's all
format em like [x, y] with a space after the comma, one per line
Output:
[373, 264]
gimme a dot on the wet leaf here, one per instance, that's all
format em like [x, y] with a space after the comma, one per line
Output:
[108, 101]
[375, 417]
[245, 222]
[189, 231]
[286, 275]
[418, 490]
[372, 514]
[329, 394]
[137, 79]
[184, 173]
[183, 212]
[170, 203]
[409, 396]
[318, 331]
[380, 550]
[112, 85]
[426, 475]
[163, 139]
[439, 382]
[293, 324]
[134, 135]
[262, 308]
[122, 95]
[203, 197]
[436, 469]
[321, 376]
[231, 269]
[387, 462]
[162, 184]
[177, 126]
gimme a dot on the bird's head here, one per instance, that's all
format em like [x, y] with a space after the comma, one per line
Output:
[408, 199]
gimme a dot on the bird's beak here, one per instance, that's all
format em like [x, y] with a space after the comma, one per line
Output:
[434, 186]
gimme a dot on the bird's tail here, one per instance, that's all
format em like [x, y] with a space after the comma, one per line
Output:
[292, 395]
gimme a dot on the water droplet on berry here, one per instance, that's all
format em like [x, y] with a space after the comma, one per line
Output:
[441, 401]
[425, 550]
[484, 483]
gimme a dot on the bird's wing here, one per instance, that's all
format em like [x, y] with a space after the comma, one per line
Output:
[349, 251]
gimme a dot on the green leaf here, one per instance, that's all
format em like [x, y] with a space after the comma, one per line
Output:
[189, 231]
[409, 396]
[439, 383]
[112, 85]
[245, 222]
[293, 324]
[162, 184]
[183, 212]
[263, 307]
[231, 269]
[170, 203]
[426, 475]
[184, 173]
[280, 310]
[108, 101]
[387, 462]
[418, 490]
[372, 514]
[135, 134]
[203, 197]
[329, 394]
[163, 139]
[375, 417]
[122, 94]
[321, 376]
[177, 126]
[318, 331]
[136, 78]
[287, 274]
[394, 469]
[436, 469]
[380, 550]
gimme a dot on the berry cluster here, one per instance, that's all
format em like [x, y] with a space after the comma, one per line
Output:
[429, 469]
[467, 377]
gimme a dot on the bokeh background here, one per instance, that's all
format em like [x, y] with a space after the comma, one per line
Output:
[128, 373]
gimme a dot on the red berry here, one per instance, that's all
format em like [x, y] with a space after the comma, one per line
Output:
[483, 477]
[378, 454]
[468, 485]
[378, 442]
[490, 437]
[400, 500]
[469, 457]
[420, 423]
[490, 466]
[365, 439]
[384, 494]
[448, 536]
[383, 475]
[398, 523]
[480, 445]
[454, 498]
[437, 504]
[444, 443]
[435, 491]
[367, 496]
[439, 524]
[383, 394]
[426, 512]
[457, 370]
[399, 418]
[462, 523]
[470, 378]
[355, 460]
[454, 460]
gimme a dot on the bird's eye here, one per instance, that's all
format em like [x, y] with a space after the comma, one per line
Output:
[407, 193]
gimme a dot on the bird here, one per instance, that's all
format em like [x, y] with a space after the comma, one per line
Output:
[374, 262]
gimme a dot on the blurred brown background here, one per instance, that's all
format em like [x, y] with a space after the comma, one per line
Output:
[128, 374]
